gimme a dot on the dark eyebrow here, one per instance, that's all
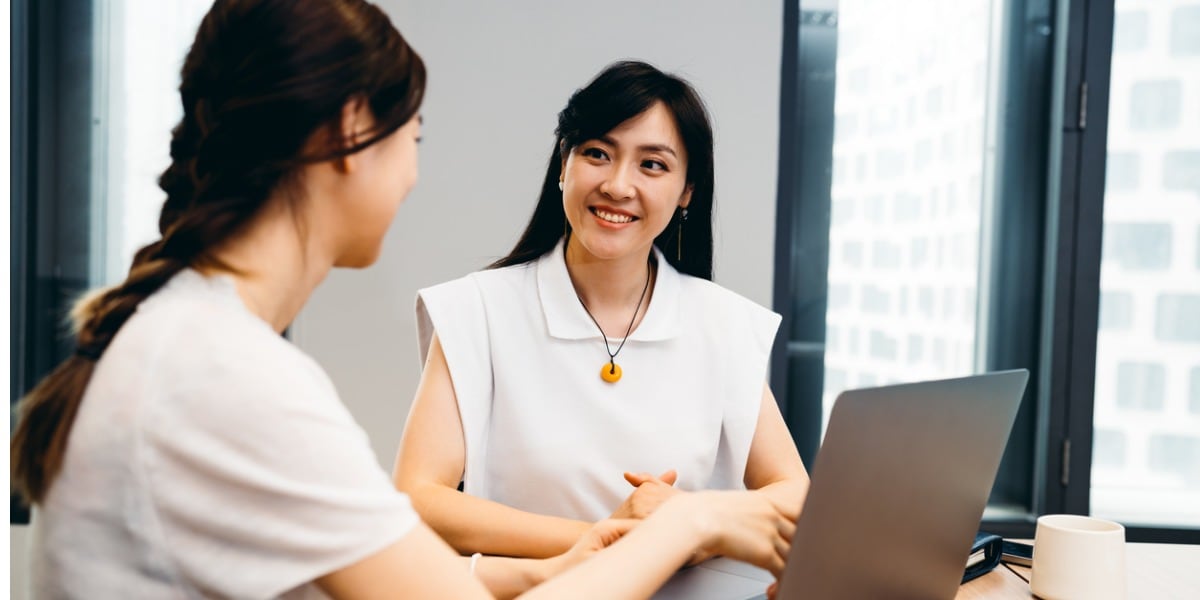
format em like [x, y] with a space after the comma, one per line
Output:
[644, 148]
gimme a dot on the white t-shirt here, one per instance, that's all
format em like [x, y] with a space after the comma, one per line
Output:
[546, 435]
[210, 458]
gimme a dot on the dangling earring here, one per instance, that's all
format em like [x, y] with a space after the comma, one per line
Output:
[566, 223]
[679, 236]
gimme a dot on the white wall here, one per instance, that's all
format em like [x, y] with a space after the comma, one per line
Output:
[18, 562]
[499, 74]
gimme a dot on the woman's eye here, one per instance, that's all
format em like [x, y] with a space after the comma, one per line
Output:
[595, 153]
[654, 165]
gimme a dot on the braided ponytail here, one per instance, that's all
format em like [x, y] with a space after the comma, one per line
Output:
[260, 79]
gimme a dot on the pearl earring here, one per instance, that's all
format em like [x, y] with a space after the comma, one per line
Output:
[560, 185]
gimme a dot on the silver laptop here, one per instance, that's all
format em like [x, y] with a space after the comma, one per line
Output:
[897, 493]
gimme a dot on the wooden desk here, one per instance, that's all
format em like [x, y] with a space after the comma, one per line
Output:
[1151, 571]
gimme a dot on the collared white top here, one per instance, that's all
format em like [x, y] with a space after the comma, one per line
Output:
[546, 435]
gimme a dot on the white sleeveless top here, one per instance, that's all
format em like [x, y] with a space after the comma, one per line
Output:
[546, 435]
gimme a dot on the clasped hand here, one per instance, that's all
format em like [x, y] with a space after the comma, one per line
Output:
[649, 493]
[742, 515]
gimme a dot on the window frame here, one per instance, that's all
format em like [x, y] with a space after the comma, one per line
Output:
[53, 208]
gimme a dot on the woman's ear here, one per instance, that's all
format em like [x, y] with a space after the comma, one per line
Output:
[355, 122]
[562, 155]
[686, 198]
[342, 164]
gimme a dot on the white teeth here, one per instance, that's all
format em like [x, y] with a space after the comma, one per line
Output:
[612, 218]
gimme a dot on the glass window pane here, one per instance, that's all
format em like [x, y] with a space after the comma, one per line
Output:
[144, 43]
[1146, 451]
[909, 157]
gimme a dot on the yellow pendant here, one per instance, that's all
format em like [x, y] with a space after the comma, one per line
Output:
[610, 372]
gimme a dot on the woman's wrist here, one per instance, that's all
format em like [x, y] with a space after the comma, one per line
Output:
[508, 577]
[553, 565]
[688, 514]
[548, 568]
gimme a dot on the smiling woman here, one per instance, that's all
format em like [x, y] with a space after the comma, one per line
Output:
[635, 125]
[631, 181]
[613, 273]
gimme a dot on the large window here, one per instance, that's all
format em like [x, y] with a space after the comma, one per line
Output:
[143, 45]
[941, 205]
[1146, 452]
[904, 226]
[908, 160]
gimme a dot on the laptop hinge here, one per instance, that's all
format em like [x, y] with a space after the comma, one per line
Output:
[1066, 462]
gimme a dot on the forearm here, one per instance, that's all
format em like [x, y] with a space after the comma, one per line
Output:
[789, 492]
[773, 467]
[635, 566]
[509, 577]
[471, 524]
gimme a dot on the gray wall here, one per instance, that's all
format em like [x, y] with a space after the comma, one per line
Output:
[499, 73]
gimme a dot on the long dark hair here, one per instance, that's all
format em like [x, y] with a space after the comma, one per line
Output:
[261, 78]
[619, 93]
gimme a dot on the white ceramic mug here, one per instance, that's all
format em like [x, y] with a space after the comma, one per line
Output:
[1078, 557]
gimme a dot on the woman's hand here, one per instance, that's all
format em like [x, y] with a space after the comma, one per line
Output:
[773, 590]
[742, 525]
[649, 493]
[599, 537]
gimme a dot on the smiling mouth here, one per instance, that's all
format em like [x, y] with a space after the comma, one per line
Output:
[611, 217]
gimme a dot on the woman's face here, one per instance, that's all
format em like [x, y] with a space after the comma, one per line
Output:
[383, 175]
[621, 190]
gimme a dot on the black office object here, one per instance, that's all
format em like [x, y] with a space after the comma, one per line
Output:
[984, 556]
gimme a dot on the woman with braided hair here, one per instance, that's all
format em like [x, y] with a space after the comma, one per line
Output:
[186, 449]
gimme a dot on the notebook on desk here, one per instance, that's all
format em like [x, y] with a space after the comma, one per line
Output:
[897, 494]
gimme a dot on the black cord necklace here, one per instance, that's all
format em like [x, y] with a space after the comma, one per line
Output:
[611, 372]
